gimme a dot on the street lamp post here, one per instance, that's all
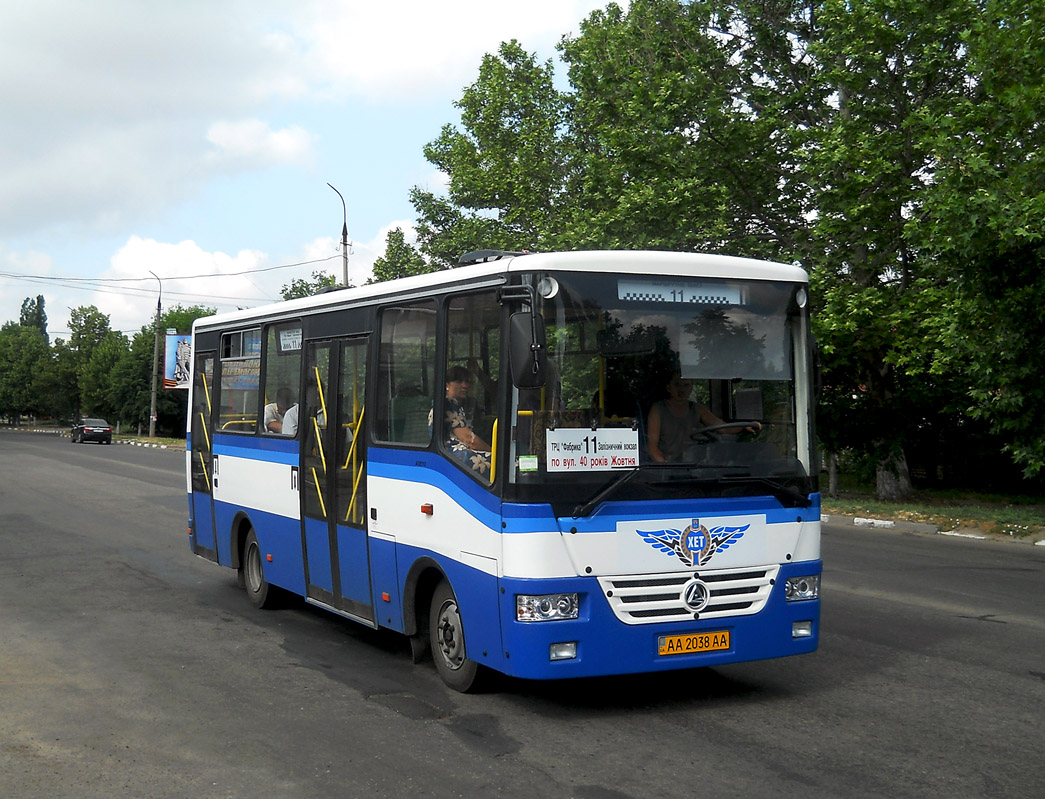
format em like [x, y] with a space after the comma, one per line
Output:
[155, 359]
[344, 238]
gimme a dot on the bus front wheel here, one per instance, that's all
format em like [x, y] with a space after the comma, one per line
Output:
[446, 633]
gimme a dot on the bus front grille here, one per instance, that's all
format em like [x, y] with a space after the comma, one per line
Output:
[646, 599]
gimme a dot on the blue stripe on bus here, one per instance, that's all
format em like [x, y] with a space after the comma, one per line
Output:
[269, 449]
[401, 464]
[636, 510]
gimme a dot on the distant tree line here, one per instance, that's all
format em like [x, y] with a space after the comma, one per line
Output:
[96, 372]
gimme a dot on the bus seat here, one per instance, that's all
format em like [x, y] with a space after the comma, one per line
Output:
[410, 419]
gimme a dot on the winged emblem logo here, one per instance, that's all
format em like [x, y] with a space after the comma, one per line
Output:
[696, 545]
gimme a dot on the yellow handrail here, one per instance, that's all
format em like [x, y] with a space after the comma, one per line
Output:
[357, 474]
[206, 433]
[319, 389]
[319, 444]
[319, 493]
[493, 452]
[206, 476]
[206, 390]
[355, 438]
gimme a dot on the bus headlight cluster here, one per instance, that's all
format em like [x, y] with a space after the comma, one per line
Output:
[799, 589]
[546, 607]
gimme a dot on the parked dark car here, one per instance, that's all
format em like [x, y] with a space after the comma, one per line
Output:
[92, 430]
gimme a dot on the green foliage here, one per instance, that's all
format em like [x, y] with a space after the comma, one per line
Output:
[96, 372]
[299, 287]
[97, 388]
[23, 358]
[893, 149]
[506, 168]
[399, 260]
[33, 315]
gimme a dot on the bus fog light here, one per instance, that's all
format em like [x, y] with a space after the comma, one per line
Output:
[546, 607]
[802, 588]
[802, 629]
[564, 651]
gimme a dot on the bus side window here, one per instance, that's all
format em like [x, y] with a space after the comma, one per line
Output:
[405, 388]
[282, 375]
[471, 405]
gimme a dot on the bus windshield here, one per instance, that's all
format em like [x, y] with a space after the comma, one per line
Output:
[699, 379]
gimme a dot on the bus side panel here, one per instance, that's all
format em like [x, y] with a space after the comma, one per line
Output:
[461, 534]
[279, 540]
[353, 561]
[257, 479]
[317, 549]
[388, 602]
[202, 519]
[476, 590]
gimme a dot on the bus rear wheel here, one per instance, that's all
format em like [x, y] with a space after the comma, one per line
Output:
[446, 633]
[252, 575]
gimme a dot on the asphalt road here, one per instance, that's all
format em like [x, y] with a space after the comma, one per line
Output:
[130, 668]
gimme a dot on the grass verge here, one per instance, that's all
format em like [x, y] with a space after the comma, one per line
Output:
[1011, 516]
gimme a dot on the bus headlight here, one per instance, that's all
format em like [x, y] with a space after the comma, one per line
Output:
[546, 607]
[799, 589]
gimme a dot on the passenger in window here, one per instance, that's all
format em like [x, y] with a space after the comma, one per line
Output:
[673, 421]
[275, 411]
[290, 421]
[462, 441]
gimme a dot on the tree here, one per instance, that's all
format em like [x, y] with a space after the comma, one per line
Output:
[299, 287]
[24, 356]
[684, 129]
[892, 149]
[131, 377]
[400, 259]
[506, 168]
[97, 387]
[984, 216]
[88, 328]
[33, 315]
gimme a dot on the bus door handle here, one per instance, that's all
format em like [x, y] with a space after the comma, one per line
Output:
[293, 478]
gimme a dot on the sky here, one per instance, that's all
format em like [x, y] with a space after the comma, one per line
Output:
[181, 151]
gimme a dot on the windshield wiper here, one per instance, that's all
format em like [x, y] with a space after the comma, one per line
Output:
[616, 482]
[605, 491]
[786, 495]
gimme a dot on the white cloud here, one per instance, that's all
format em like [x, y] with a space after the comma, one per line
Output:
[407, 48]
[251, 142]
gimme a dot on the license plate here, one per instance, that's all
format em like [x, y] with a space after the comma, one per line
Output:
[693, 642]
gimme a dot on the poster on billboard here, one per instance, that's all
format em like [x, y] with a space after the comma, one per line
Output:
[176, 361]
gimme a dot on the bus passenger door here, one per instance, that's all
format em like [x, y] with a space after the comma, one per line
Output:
[334, 477]
[201, 471]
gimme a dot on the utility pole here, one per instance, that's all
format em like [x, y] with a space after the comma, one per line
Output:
[344, 239]
[155, 359]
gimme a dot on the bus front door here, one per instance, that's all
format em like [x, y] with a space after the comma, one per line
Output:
[201, 471]
[333, 465]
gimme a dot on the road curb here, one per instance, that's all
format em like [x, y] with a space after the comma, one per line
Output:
[922, 528]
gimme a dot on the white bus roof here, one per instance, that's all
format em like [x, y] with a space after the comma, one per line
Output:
[629, 262]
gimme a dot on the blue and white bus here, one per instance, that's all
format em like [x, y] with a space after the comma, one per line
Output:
[466, 457]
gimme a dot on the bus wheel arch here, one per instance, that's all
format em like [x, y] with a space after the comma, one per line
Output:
[446, 634]
[251, 574]
[241, 527]
[418, 588]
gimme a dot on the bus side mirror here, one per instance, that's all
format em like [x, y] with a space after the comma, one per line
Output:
[527, 350]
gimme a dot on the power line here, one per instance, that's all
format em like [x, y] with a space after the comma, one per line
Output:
[72, 279]
[97, 284]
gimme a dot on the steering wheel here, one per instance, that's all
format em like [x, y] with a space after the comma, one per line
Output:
[709, 434]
